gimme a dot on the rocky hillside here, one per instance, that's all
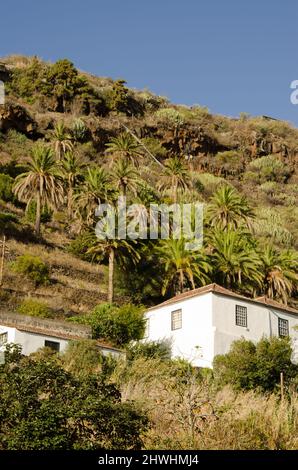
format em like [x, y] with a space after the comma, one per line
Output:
[257, 156]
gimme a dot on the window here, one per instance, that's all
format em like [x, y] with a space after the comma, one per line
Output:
[283, 327]
[3, 338]
[176, 319]
[53, 345]
[241, 315]
[146, 333]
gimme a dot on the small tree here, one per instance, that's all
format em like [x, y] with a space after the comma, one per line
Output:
[32, 267]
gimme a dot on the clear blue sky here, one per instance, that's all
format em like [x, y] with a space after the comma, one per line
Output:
[230, 55]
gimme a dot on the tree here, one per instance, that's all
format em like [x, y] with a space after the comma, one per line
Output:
[248, 366]
[175, 177]
[120, 325]
[280, 277]
[119, 97]
[94, 190]
[71, 169]
[124, 177]
[44, 407]
[125, 146]
[229, 209]
[62, 142]
[236, 263]
[183, 268]
[112, 248]
[40, 182]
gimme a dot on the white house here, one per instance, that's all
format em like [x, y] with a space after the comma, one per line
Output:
[204, 322]
[33, 333]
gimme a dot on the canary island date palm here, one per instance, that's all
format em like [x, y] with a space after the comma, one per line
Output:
[126, 146]
[228, 208]
[62, 140]
[280, 273]
[183, 268]
[234, 259]
[175, 177]
[116, 251]
[71, 171]
[40, 182]
[124, 177]
[94, 190]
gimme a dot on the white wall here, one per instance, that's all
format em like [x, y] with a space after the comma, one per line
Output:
[261, 320]
[30, 342]
[10, 333]
[194, 341]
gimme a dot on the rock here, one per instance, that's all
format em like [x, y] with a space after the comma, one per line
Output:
[14, 116]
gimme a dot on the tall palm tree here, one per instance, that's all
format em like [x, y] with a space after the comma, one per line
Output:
[114, 250]
[40, 182]
[61, 139]
[183, 268]
[234, 259]
[125, 146]
[175, 177]
[94, 190]
[229, 209]
[71, 170]
[124, 177]
[280, 273]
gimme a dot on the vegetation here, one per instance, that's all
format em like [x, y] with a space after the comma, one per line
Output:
[32, 267]
[35, 308]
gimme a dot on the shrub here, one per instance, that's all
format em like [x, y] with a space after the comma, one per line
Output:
[119, 97]
[268, 168]
[6, 183]
[83, 357]
[150, 350]
[45, 216]
[248, 366]
[32, 267]
[35, 308]
[169, 116]
[120, 325]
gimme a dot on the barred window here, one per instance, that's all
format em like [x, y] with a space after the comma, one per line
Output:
[241, 315]
[146, 332]
[3, 338]
[53, 345]
[283, 327]
[176, 319]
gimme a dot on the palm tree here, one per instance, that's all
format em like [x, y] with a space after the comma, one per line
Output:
[280, 273]
[71, 170]
[183, 268]
[126, 147]
[229, 209]
[124, 177]
[112, 249]
[61, 140]
[234, 259]
[40, 182]
[175, 177]
[92, 192]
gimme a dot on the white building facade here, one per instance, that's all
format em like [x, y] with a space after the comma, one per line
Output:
[204, 322]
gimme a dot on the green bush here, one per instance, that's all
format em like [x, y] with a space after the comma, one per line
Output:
[150, 350]
[249, 366]
[6, 183]
[35, 308]
[33, 268]
[268, 168]
[45, 216]
[120, 325]
[169, 116]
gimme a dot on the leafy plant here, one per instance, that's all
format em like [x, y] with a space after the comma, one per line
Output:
[35, 308]
[32, 267]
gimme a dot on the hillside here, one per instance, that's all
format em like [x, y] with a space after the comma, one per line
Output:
[81, 116]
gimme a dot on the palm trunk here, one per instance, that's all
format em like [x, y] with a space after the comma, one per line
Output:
[37, 215]
[181, 281]
[111, 276]
[69, 201]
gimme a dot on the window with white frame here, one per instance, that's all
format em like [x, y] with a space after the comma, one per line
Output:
[146, 332]
[3, 338]
[176, 319]
[241, 315]
[283, 327]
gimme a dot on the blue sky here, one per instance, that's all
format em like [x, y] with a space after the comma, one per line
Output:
[230, 55]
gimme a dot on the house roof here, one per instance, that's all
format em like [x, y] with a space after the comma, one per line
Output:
[215, 288]
[51, 328]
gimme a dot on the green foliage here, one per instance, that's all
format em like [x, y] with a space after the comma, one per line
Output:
[83, 358]
[44, 407]
[45, 215]
[33, 268]
[119, 97]
[155, 147]
[169, 116]
[248, 366]
[35, 308]
[6, 183]
[268, 168]
[79, 130]
[150, 350]
[120, 325]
